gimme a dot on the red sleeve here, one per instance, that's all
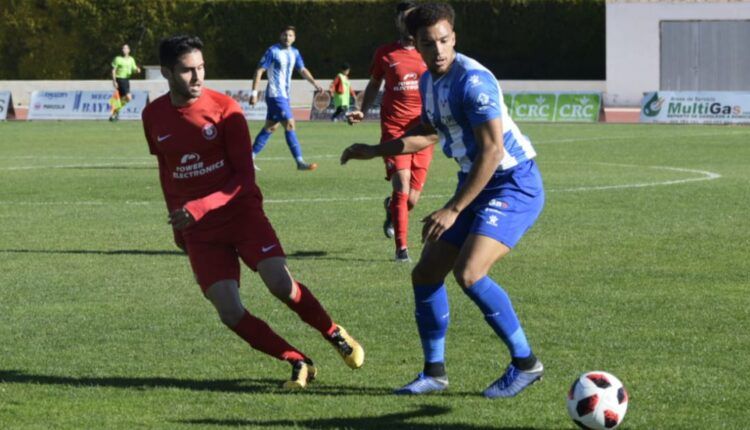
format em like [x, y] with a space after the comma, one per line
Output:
[172, 204]
[339, 85]
[377, 70]
[336, 85]
[239, 157]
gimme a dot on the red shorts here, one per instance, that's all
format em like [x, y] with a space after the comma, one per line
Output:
[418, 163]
[215, 252]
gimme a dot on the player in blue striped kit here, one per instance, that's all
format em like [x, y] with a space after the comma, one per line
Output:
[498, 198]
[280, 61]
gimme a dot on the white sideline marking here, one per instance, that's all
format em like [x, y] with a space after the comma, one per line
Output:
[705, 176]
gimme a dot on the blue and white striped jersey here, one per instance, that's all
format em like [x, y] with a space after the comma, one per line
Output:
[279, 63]
[463, 98]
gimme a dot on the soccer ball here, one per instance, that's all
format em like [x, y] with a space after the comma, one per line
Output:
[597, 400]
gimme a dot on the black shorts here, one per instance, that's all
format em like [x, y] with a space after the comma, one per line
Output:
[123, 86]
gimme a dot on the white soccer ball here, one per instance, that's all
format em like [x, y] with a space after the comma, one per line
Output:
[597, 400]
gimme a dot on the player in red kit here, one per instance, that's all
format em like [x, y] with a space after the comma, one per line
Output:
[201, 141]
[400, 65]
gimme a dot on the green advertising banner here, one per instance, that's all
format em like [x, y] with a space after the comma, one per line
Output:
[554, 106]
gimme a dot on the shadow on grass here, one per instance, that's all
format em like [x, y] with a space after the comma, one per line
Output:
[297, 255]
[392, 421]
[93, 251]
[259, 385]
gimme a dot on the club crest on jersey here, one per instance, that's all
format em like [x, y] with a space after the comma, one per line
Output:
[209, 131]
[190, 158]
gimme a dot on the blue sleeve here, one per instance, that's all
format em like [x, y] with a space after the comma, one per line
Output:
[267, 59]
[298, 63]
[482, 97]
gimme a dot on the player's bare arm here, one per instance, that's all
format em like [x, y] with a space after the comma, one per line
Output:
[256, 83]
[371, 92]
[414, 140]
[489, 137]
[309, 78]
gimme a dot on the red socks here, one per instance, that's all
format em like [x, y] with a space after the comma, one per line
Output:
[310, 310]
[261, 337]
[400, 217]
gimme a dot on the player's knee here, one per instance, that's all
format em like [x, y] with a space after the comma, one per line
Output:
[272, 128]
[289, 126]
[422, 275]
[467, 276]
[231, 314]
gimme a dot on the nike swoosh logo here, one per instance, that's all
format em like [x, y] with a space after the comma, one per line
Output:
[163, 138]
[394, 64]
[267, 248]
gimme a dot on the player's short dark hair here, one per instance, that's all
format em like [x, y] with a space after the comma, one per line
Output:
[345, 66]
[429, 14]
[405, 5]
[289, 27]
[172, 48]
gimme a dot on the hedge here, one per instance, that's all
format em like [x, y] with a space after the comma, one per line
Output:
[77, 39]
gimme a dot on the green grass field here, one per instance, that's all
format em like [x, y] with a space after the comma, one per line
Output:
[638, 266]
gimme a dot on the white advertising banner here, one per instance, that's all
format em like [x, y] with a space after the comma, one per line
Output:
[696, 107]
[6, 105]
[82, 105]
[257, 112]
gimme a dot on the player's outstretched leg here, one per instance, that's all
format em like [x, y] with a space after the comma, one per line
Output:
[225, 297]
[261, 139]
[296, 150]
[303, 302]
[525, 368]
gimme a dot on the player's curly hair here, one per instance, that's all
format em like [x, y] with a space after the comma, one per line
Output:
[428, 14]
[171, 48]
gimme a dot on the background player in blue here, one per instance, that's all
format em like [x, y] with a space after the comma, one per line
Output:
[499, 196]
[280, 60]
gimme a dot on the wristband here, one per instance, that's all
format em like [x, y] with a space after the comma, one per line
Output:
[254, 93]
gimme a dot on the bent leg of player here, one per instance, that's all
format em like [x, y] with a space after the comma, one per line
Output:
[263, 135]
[301, 300]
[294, 146]
[432, 315]
[477, 256]
[224, 295]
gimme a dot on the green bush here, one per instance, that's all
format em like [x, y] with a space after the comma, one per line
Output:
[77, 39]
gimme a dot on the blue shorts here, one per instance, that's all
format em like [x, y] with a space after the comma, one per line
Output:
[507, 207]
[278, 109]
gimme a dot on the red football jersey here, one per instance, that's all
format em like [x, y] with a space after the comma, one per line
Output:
[401, 68]
[205, 157]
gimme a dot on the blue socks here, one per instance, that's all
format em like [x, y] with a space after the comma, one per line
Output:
[260, 140]
[293, 144]
[432, 315]
[498, 311]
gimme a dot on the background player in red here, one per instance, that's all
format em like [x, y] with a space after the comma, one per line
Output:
[401, 66]
[201, 141]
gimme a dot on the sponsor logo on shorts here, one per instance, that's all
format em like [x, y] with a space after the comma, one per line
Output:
[209, 131]
[492, 220]
[265, 249]
[498, 204]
